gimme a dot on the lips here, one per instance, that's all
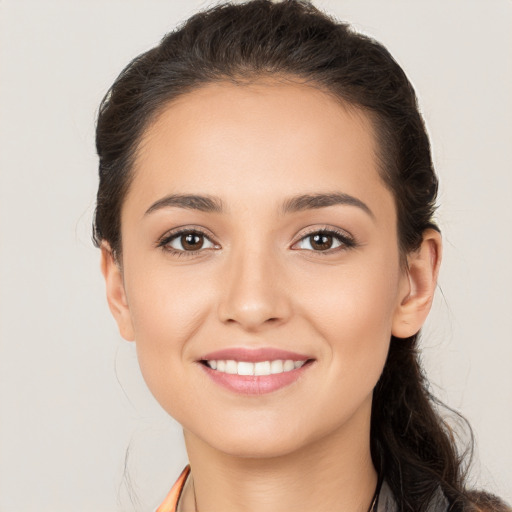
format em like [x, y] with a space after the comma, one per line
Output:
[254, 371]
[254, 355]
[270, 367]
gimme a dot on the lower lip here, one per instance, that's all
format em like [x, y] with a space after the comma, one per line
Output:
[255, 384]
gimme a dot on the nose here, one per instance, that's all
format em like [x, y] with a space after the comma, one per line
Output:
[254, 294]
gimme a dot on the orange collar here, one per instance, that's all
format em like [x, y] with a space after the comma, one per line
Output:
[170, 504]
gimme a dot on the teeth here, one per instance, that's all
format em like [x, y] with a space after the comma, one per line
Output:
[245, 368]
[262, 368]
[288, 365]
[276, 366]
[259, 368]
[231, 367]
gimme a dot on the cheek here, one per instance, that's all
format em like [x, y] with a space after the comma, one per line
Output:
[352, 311]
[167, 308]
[167, 304]
[360, 299]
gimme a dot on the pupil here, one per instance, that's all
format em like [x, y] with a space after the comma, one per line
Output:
[192, 241]
[322, 242]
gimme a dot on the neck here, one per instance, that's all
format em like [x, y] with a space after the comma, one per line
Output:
[333, 473]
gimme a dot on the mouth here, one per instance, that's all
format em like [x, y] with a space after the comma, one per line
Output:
[259, 368]
[255, 371]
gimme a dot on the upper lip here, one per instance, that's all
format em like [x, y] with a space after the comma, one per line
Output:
[253, 355]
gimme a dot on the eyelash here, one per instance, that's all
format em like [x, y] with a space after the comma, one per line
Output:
[166, 239]
[347, 242]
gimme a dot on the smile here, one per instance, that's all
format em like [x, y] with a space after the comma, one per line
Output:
[249, 368]
[250, 371]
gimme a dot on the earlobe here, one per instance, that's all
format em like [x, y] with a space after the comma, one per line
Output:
[419, 284]
[116, 295]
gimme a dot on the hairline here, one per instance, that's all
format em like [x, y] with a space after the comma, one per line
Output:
[270, 78]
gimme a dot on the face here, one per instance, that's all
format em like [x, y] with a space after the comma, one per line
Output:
[290, 254]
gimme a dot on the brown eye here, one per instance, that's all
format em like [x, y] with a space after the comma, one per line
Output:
[189, 241]
[323, 241]
[192, 241]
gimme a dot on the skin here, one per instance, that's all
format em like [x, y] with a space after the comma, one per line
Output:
[259, 282]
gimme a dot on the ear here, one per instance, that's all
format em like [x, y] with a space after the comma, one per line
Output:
[418, 286]
[116, 295]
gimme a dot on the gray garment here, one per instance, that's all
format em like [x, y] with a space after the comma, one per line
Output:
[387, 502]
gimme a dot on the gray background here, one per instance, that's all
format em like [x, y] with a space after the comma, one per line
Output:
[74, 412]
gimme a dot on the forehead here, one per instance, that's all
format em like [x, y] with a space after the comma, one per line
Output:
[258, 140]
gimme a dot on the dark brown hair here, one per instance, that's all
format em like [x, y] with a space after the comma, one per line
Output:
[411, 444]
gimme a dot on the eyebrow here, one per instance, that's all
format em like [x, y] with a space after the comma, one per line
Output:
[299, 203]
[314, 201]
[188, 201]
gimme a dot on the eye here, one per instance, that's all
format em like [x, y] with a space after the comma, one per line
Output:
[186, 241]
[325, 240]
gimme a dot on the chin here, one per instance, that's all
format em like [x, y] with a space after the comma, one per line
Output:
[258, 440]
[258, 448]
[270, 440]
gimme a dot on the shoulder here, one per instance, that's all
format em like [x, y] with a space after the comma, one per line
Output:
[474, 501]
[486, 502]
[387, 502]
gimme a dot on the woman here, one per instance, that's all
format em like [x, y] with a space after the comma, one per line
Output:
[265, 214]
